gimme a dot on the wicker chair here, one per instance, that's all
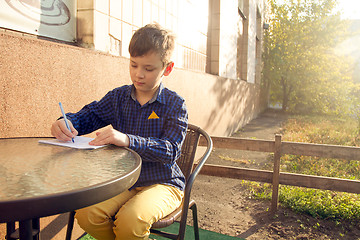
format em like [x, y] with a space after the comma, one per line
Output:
[186, 163]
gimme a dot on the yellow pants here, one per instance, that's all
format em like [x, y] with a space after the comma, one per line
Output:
[135, 211]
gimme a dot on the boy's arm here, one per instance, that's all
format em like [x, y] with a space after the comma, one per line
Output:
[93, 116]
[111, 136]
[167, 148]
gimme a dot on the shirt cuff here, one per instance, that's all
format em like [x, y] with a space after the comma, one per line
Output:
[136, 143]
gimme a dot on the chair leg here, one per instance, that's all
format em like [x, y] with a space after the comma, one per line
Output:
[195, 220]
[70, 225]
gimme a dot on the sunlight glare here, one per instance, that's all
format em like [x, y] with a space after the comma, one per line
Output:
[350, 9]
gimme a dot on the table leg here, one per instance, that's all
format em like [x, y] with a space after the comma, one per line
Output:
[10, 228]
[36, 228]
[25, 228]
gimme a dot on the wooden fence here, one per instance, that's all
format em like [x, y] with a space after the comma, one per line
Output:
[276, 177]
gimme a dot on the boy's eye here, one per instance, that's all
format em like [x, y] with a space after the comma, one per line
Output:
[133, 66]
[149, 69]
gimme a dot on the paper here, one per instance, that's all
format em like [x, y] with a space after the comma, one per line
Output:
[79, 143]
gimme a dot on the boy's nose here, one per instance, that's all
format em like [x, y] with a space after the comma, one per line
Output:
[140, 74]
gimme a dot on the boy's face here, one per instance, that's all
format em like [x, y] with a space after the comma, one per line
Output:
[146, 72]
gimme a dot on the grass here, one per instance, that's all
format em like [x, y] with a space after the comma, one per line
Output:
[321, 130]
[87, 237]
[324, 204]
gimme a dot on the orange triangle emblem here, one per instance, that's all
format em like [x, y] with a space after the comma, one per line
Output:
[153, 116]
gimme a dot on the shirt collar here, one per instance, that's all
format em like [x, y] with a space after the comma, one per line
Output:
[157, 96]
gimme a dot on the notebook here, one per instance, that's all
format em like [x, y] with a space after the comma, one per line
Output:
[79, 143]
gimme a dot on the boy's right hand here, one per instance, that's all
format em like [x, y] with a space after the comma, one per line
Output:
[60, 131]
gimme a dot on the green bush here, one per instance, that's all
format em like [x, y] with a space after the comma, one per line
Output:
[321, 203]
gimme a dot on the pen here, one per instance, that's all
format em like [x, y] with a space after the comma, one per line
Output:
[63, 113]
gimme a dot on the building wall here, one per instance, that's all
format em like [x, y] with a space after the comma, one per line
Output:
[107, 26]
[213, 35]
[229, 31]
[210, 32]
[235, 39]
[37, 74]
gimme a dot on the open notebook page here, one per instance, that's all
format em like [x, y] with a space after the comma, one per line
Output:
[79, 143]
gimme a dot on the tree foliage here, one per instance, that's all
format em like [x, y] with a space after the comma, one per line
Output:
[300, 67]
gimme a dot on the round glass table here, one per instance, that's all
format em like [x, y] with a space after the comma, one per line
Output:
[38, 180]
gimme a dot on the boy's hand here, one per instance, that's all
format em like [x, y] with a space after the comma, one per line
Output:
[111, 136]
[60, 131]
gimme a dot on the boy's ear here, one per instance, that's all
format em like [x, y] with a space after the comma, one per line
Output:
[168, 69]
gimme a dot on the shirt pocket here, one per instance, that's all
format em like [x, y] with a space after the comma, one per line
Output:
[154, 125]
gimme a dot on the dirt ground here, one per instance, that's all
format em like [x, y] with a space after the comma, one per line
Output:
[225, 205]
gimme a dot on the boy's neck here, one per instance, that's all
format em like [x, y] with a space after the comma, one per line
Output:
[145, 96]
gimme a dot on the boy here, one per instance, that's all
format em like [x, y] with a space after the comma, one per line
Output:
[147, 118]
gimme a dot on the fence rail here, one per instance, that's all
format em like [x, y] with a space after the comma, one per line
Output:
[276, 177]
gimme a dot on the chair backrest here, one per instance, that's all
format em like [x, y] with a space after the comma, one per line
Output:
[188, 150]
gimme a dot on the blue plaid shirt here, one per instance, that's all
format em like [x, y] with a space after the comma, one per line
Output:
[156, 130]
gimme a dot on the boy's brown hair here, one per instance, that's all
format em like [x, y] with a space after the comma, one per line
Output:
[152, 38]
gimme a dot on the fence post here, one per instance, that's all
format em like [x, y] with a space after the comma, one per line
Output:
[276, 174]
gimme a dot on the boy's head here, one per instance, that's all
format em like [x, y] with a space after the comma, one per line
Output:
[152, 38]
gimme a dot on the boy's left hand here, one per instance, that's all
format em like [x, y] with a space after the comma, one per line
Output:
[111, 136]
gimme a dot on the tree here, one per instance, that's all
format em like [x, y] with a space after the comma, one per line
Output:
[300, 67]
